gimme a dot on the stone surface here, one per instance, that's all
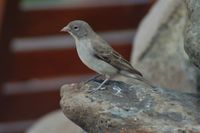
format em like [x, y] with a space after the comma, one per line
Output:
[159, 50]
[54, 122]
[130, 108]
[192, 33]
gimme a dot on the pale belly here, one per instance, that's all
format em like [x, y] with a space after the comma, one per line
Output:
[94, 63]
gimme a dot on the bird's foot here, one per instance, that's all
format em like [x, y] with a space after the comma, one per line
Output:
[96, 89]
[118, 90]
[99, 87]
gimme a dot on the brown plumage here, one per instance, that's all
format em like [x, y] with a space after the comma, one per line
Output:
[109, 55]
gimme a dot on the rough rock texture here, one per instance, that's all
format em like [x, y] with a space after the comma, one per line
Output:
[192, 33]
[159, 49]
[126, 108]
[54, 122]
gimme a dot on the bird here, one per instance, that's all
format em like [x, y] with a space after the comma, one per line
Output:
[97, 54]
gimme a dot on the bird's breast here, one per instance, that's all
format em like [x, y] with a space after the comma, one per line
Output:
[85, 53]
[84, 50]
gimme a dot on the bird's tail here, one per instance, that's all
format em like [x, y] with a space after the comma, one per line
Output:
[137, 77]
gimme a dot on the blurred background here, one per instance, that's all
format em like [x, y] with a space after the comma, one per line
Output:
[36, 59]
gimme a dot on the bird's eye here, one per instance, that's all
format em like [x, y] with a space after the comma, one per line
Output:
[76, 28]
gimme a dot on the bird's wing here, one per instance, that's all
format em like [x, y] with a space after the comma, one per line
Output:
[106, 53]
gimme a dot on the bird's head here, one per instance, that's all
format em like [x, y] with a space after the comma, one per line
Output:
[78, 29]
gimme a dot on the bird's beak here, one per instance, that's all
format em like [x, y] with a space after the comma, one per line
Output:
[65, 29]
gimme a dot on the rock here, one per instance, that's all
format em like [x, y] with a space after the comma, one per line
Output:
[130, 108]
[192, 33]
[159, 50]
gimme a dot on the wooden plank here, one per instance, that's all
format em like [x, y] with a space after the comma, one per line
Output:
[50, 63]
[28, 106]
[49, 22]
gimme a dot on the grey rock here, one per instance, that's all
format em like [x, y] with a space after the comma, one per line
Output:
[130, 108]
[192, 32]
[163, 61]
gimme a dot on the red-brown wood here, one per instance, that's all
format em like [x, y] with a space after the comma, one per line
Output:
[48, 22]
[2, 5]
[28, 106]
[10, 9]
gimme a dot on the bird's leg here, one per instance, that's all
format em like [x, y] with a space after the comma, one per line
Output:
[95, 89]
[93, 77]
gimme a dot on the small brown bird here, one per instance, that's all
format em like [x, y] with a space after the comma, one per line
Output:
[95, 53]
